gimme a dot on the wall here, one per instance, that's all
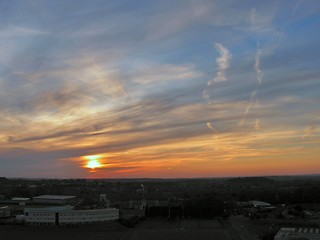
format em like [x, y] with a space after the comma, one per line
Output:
[40, 217]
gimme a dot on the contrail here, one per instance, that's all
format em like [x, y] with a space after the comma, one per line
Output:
[253, 96]
[250, 105]
[209, 125]
[223, 63]
[296, 8]
[257, 125]
[286, 23]
[308, 131]
[257, 66]
[253, 15]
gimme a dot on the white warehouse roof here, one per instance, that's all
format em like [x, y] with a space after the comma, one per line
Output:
[54, 197]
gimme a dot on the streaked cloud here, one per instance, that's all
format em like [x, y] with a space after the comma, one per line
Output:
[158, 73]
[19, 31]
[310, 130]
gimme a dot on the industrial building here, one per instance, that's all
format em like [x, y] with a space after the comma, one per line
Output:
[298, 233]
[62, 215]
[55, 199]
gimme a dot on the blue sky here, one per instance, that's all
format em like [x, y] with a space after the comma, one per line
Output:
[159, 88]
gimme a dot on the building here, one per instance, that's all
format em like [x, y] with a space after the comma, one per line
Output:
[55, 199]
[298, 233]
[62, 215]
[88, 216]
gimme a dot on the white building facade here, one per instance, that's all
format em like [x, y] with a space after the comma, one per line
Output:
[61, 216]
[88, 216]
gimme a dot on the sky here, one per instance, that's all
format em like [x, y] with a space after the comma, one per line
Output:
[159, 89]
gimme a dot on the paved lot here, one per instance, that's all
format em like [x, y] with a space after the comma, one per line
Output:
[246, 228]
[182, 234]
[155, 229]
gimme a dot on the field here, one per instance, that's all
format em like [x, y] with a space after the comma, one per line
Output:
[156, 229]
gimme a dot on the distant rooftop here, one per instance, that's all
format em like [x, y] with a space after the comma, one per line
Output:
[20, 199]
[54, 197]
[256, 204]
[259, 203]
[50, 209]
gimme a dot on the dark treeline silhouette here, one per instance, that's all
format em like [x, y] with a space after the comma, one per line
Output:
[200, 197]
[204, 207]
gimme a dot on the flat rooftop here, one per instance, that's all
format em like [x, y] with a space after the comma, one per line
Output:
[20, 199]
[54, 197]
[259, 203]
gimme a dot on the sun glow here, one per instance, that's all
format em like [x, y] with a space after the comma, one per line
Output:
[93, 161]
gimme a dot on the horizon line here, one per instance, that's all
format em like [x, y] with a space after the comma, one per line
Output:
[164, 178]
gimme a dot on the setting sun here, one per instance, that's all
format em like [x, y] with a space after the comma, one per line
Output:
[93, 161]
